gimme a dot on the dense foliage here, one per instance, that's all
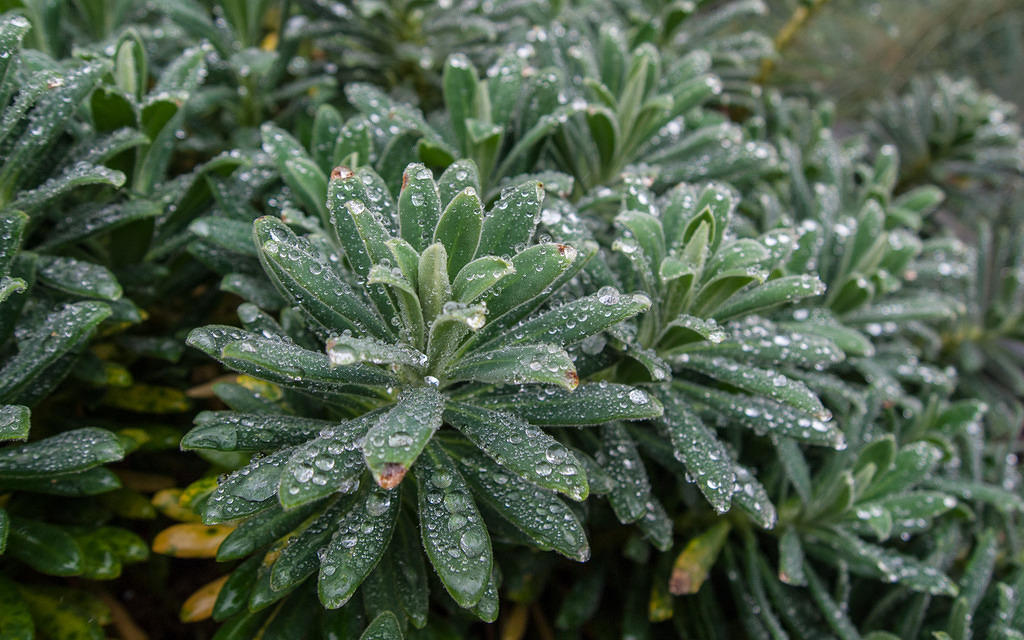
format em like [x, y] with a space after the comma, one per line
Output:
[329, 319]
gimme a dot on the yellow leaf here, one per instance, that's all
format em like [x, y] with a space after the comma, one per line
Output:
[191, 540]
[692, 565]
[168, 502]
[199, 605]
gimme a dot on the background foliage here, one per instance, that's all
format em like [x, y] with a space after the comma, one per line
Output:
[596, 319]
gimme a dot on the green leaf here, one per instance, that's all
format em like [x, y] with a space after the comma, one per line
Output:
[770, 294]
[453, 533]
[231, 431]
[1005, 501]
[512, 220]
[476, 278]
[300, 273]
[540, 514]
[357, 545]
[765, 416]
[791, 559]
[589, 404]
[409, 572]
[434, 289]
[260, 530]
[762, 382]
[399, 436]
[77, 175]
[518, 364]
[44, 547]
[419, 206]
[331, 463]
[298, 553]
[78, 278]
[459, 229]
[12, 230]
[345, 350]
[290, 365]
[459, 81]
[521, 448]
[10, 286]
[14, 422]
[631, 490]
[697, 447]
[538, 268]
[62, 332]
[66, 452]
[47, 120]
[459, 176]
[579, 319]
[912, 464]
[384, 627]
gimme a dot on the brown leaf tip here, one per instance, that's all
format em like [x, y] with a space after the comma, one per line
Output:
[391, 475]
[405, 179]
[341, 172]
[573, 378]
[563, 248]
[680, 584]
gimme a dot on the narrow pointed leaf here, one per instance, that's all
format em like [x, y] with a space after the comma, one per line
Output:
[512, 219]
[697, 447]
[521, 448]
[399, 436]
[459, 229]
[299, 273]
[577, 320]
[384, 627]
[518, 364]
[453, 533]
[589, 404]
[232, 431]
[357, 545]
[538, 513]
[66, 452]
[476, 278]
[631, 490]
[419, 206]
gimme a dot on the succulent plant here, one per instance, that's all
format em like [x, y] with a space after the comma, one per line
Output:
[424, 349]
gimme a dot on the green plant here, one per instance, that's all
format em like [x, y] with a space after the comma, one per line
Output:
[429, 317]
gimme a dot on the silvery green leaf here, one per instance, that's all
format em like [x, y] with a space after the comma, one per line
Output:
[246, 490]
[419, 206]
[398, 437]
[765, 416]
[66, 452]
[459, 229]
[538, 513]
[521, 448]
[360, 539]
[454, 535]
[770, 294]
[14, 422]
[763, 382]
[459, 176]
[301, 274]
[579, 319]
[699, 449]
[330, 463]
[511, 221]
[78, 277]
[434, 287]
[476, 278]
[517, 364]
[232, 431]
[346, 350]
[631, 489]
[588, 404]
[60, 333]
